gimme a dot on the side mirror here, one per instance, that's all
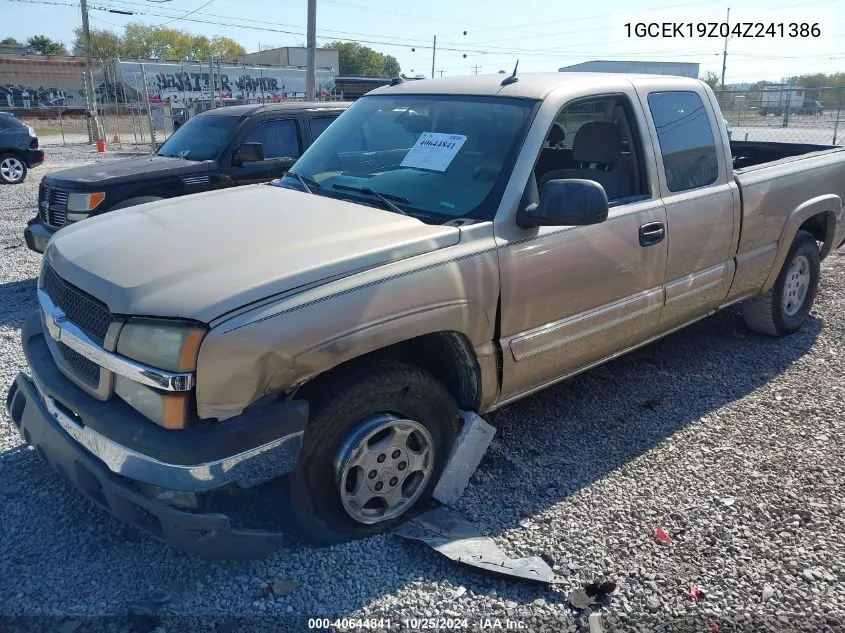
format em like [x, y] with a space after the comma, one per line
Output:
[569, 202]
[248, 153]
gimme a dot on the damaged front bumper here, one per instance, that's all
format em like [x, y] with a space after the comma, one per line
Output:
[138, 471]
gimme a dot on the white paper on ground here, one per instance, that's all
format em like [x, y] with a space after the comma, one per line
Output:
[434, 151]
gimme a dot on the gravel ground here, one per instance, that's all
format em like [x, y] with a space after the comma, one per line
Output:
[729, 441]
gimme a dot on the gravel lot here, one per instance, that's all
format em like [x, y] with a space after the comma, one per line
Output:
[733, 443]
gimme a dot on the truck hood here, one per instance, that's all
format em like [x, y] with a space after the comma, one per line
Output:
[201, 256]
[124, 170]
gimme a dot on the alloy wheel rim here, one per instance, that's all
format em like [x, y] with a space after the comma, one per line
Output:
[797, 285]
[383, 467]
[12, 169]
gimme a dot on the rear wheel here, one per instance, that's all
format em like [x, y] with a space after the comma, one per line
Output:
[12, 169]
[377, 441]
[786, 306]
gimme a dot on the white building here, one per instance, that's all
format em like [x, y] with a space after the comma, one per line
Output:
[680, 69]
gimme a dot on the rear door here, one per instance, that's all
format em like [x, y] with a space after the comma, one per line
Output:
[282, 142]
[700, 196]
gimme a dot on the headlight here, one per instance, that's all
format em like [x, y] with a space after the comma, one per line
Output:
[79, 205]
[31, 132]
[164, 345]
[161, 344]
[168, 410]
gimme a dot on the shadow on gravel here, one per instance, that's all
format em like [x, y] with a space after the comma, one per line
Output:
[18, 300]
[577, 432]
[548, 447]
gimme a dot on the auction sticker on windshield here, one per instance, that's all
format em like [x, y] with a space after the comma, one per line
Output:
[434, 151]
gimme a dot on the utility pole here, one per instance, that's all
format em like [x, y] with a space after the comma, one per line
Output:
[89, 75]
[475, 68]
[433, 53]
[311, 57]
[211, 82]
[441, 71]
[725, 52]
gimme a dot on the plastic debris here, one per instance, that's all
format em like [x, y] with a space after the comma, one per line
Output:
[595, 623]
[451, 534]
[473, 441]
[695, 593]
[714, 627]
[592, 594]
[661, 535]
[728, 501]
[458, 592]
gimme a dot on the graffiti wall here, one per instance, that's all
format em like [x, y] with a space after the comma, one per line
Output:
[181, 84]
[40, 82]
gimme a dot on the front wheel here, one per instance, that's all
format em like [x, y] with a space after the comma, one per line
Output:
[377, 440]
[786, 306]
[12, 169]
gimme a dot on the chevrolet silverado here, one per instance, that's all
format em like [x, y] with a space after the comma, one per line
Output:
[445, 245]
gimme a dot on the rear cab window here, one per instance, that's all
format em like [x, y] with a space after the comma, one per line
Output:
[319, 124]
[687, 146]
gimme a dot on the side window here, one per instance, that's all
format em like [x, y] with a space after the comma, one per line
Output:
[319, 125]
[280, 138]
[595, 139]
[686, 139]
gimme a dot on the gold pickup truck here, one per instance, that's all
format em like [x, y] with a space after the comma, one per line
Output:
[445, 245]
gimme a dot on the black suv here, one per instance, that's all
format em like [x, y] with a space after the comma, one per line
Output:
[18, 149]
[225, 147]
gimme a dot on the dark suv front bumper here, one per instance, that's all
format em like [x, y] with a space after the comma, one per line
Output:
[36, 235]
[44, 409]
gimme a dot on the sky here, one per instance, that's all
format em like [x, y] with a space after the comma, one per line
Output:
[483, 36]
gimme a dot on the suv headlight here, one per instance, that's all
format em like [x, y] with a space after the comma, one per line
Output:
[79, 205]
[164, 345]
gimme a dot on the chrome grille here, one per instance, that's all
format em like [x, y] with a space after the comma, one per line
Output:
[81, 309]
[52, 206]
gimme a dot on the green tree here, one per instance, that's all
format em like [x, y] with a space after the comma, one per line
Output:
[43, 45]
[226, 47]
[711, 79]
[140, 41]
[11, 41]
[358, 60]
[104, 44]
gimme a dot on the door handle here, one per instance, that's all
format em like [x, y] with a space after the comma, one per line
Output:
[652, 233]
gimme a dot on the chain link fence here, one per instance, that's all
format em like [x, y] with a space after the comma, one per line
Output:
[787, 114]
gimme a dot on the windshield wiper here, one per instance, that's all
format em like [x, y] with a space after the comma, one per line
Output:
[305, 182]
[384, 198]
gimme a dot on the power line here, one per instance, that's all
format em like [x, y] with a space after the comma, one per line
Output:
[186, 15]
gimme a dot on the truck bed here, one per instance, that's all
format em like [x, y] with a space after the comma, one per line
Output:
[756, 153]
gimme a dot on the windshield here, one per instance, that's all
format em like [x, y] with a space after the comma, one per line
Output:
[200, 138]
[436, 157]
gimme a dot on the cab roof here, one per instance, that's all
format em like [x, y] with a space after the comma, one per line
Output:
[293, 107]
[528, 86]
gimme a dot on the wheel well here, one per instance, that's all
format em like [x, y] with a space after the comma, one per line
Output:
[822, 227]
[448, 356]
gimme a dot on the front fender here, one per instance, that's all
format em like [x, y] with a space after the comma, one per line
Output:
[831, 206]
[275, 348]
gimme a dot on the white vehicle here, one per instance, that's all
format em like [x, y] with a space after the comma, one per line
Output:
[777, 97]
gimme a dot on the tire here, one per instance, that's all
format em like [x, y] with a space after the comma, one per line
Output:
[12, 169]
[769, 313]
[340, 410]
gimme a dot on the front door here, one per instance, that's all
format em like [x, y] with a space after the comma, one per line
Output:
[282, 146]
[572, 296]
